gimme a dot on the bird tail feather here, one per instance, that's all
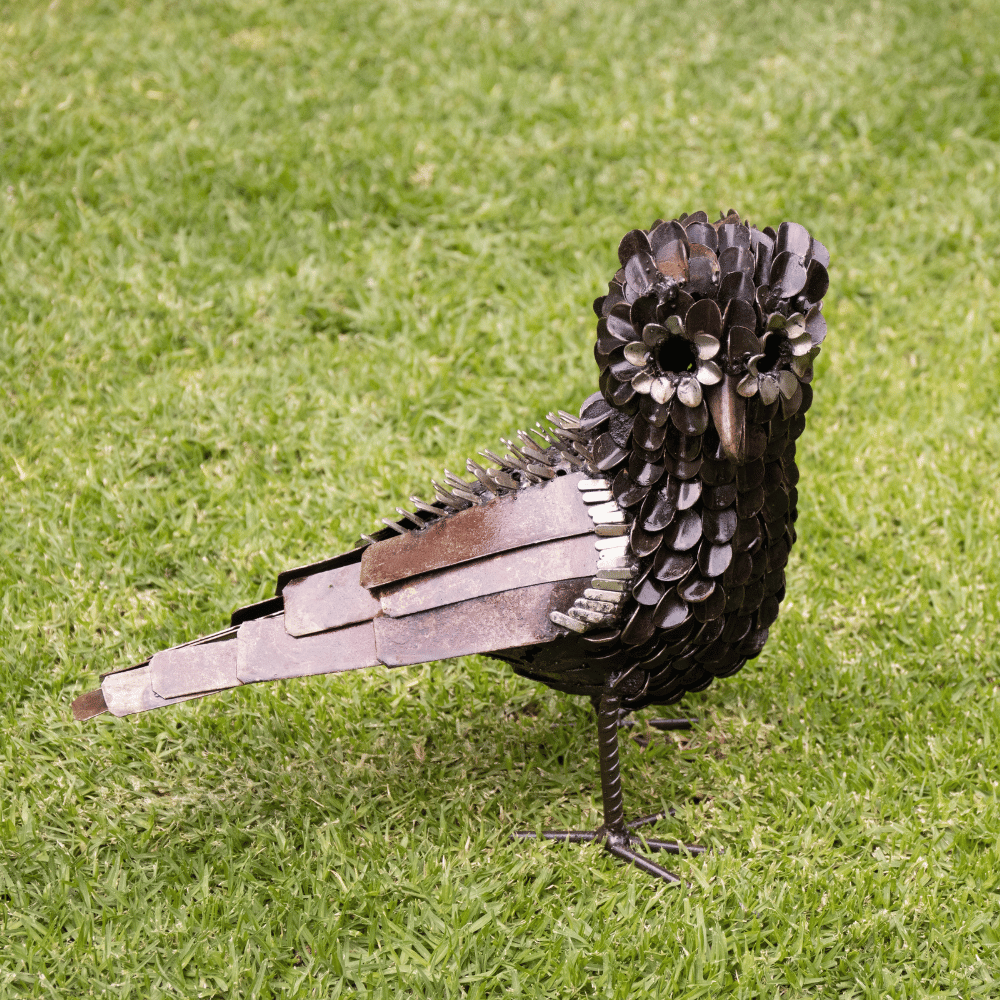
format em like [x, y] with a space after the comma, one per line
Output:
[458, 587]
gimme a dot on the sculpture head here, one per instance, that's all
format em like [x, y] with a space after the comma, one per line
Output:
[708, 328]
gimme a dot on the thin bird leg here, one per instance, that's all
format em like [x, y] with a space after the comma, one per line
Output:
[614, 832]
[624, 722]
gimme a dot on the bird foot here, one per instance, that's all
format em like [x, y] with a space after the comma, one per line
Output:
[619, 842]
[664, 725]
[672, 725]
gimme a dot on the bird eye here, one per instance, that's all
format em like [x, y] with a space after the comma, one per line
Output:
[772, 354]
[676, 354]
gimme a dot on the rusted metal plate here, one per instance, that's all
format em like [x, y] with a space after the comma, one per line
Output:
[537, 514]
[548, 562]
[130, 691]
[266, 652]
[497, 621]
[88, 705]
[327, 600]
[194, 669]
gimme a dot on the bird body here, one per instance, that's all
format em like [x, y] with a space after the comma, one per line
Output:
[631, 553]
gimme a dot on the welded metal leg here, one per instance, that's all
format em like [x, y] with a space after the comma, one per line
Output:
[614, 833]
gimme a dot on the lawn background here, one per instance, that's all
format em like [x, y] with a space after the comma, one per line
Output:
[265, 270]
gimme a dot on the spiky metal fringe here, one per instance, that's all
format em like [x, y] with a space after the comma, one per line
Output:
[544, 453]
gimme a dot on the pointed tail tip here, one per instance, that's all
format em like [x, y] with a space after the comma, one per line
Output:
[88, 705]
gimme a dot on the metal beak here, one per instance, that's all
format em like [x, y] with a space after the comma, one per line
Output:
[729, 411]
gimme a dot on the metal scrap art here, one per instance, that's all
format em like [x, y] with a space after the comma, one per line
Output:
[632, 554]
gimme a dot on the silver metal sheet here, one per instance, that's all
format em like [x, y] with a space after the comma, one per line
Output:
[194, 669]
[545, 563]
[483, 625]
[130, 691]
[327, 600]
[266, 652]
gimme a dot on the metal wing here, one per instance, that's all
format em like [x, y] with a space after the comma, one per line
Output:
[492, 577]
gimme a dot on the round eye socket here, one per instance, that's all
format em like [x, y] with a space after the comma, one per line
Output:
[772, 354]
[676, 354]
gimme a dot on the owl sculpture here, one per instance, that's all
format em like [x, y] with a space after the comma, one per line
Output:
[631, 554]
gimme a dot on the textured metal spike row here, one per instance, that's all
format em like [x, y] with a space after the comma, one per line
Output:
[533, 450]
[518, 452]
[572, 448]
[562, 438]
[456, 481]
[601, 603]
[465, 494]
[448, 498]
[535, 461]
[426, 507]
[417, 522]
[492, 457]
[509, 461]
[481, 474]
[474, 493]
[503, 480]
[572, 458]
[572, 431]
[410, 522]
[535, 471]
[540, 471]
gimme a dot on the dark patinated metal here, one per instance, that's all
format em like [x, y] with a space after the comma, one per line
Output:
[89, 705]
[632, 554]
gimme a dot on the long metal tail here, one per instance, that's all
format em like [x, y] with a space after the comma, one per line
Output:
[321, 622]
[344, 614]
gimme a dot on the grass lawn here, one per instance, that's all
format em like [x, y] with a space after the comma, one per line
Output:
[265, 270]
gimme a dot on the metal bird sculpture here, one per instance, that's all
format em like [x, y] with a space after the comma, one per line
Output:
[631, 554]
